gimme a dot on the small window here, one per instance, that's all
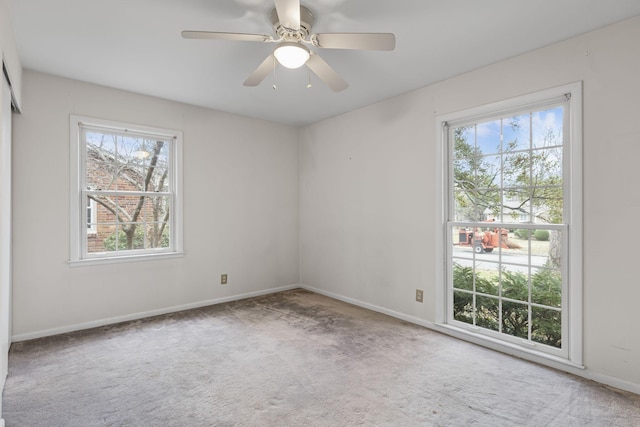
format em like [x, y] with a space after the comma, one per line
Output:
[127, 187]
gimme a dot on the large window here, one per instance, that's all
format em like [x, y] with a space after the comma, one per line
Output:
[126, 185]
[512, 192]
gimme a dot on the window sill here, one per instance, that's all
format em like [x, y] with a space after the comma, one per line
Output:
[507, 347]
[124, 259]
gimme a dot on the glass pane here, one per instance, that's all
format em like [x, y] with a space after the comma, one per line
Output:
[520, 243]
[159, 181]
[515, 283]
[93, 243]
[548, 195]
[113, 238]
[463, 172]
[130, 208]
[142, 157]
[162, 150]
[515, 319]
[489, 204]
[547, 166]
[516, 208]
[547, 205]
[464, 142]
[488, 313]
[164, 234]
[459, 235]
[463, 245]
[101, 168]
[105, 209]
[488, 172]
[547, 127]
[465, 208]
[157, 235]
[546, 326]
[155, 208]
[463, 306]
[139, 236]
[488, 137]
[517, 170]
[489, 240]
[539, 247]
[487, 278]
[554, 249]
[516, 133]
[462, 277]
[546, 287]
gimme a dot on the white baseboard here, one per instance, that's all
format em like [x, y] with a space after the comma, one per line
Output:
[1, 422]
[396, 314]
[551, 362]
[142, 315]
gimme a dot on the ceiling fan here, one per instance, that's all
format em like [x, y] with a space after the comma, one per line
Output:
[292, 24]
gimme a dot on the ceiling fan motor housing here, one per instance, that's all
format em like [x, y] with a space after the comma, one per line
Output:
[293, 34]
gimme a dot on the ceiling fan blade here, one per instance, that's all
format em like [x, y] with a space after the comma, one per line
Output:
[261, 72]
[209, 35]
[326, 73]
[289, 13]
[360, 41]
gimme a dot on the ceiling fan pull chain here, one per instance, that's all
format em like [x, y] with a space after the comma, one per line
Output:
[274, 74]
[309, 84]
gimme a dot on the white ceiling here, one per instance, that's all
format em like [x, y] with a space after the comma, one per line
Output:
[136, 45]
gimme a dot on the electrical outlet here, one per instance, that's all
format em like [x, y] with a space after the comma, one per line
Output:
[419, 295]
[223, 279]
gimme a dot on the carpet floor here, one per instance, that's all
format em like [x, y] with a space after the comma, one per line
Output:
[294, 358]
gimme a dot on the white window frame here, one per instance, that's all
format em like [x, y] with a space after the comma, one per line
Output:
[79, 255]
[572, 299]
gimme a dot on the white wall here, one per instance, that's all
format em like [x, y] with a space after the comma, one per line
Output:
[240, 210]
[368, 192]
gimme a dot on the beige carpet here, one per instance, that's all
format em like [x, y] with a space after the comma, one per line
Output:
[291, 359]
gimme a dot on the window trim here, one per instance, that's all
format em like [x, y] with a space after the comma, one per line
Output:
[78, 215]
[573, 164]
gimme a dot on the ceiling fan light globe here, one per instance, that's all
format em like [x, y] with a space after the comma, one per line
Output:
[291, 55]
